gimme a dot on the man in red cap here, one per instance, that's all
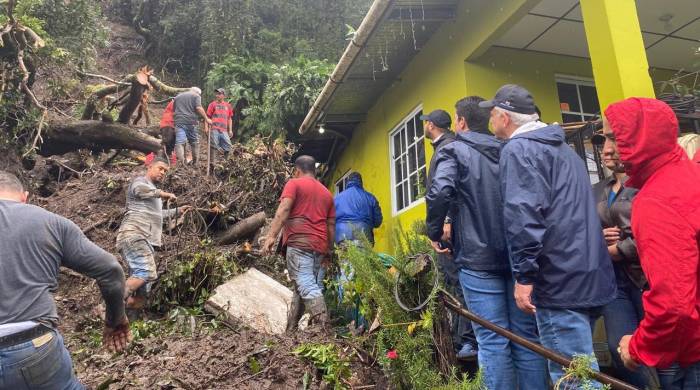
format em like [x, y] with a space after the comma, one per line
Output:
[666, 225]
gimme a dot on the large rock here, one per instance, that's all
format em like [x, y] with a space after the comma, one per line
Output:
[253, 299]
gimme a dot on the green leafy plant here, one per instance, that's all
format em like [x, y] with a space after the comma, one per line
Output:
[578, 375]
[328, 359]
[405, 342]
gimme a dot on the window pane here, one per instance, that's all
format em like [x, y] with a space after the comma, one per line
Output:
[398, 171]
[421, 152]
[397, 145]
[412, 159]
[410, 132]
[568, 98]
[419, 123]
[403, 140]
[406, 198]
[589, 99]
[413, 188]
[399, 197]
[568, 118]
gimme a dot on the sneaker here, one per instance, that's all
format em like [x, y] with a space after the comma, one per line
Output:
[468, 352]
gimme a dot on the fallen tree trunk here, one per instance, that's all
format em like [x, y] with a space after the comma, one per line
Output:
[244, 228]
[98, 136]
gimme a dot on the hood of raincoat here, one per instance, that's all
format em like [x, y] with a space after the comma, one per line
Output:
[354, 181]
[645, 130]
[550, 135]
[486, 144]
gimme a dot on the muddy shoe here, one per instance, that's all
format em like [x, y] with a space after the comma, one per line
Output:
[134, 314]
[316, 307]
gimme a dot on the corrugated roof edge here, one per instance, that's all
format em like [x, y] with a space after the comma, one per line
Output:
[369, 24]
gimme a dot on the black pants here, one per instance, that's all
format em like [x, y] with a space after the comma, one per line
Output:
[462, 331]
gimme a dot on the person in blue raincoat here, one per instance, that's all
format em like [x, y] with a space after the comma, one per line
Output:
[357, 214]
[559, 258]
[356, 211]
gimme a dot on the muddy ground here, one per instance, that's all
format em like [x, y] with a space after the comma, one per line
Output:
[183, 348]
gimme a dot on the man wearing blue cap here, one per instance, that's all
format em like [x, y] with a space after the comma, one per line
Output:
[559, 258]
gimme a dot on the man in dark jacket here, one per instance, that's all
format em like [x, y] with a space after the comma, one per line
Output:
[558, 254]
[666, 225]
[466, 175]
[436, 127]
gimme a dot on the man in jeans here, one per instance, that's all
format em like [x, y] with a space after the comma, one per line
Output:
[666, 224]
[563, 273]
[188, 111]
[141, 230]
[35, 244]
[466, 176]
[307, 213]
[221, 130]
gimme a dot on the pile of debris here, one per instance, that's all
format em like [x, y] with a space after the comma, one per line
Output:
[178, 345]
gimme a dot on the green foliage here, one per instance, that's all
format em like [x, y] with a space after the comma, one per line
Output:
[190, 282]
[328, 359]
[404, 343]
[277, 96]
[578, 375]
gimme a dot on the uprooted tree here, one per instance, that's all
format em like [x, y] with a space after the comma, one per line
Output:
[26, 117]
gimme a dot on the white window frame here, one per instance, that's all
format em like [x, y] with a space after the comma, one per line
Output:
[343, 180]
[590, 162]
[399, 127]
[577, 81]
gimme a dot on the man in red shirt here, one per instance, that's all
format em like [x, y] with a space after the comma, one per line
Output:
[307, 213]
[221, 131]
[666, 224]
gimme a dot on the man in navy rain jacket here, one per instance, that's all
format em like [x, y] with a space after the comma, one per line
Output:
[558, 255]
[466, 176]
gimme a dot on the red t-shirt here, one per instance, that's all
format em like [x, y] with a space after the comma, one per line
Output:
[311, 208]
[220, 113]
[168, 120]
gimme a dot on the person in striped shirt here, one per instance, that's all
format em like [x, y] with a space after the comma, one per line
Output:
[221, 130]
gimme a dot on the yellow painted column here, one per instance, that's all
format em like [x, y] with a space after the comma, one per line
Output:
[619, 60]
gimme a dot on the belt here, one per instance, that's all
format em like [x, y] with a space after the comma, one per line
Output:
[23, 336]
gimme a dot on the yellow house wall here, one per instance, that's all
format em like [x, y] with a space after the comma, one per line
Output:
[436, 78]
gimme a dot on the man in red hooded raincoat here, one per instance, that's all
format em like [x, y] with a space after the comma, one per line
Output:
[666, 224]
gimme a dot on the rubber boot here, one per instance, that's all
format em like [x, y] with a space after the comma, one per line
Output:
[180, 154]
[195, 153]
[318, 311]
[296, 309]
[212, 159]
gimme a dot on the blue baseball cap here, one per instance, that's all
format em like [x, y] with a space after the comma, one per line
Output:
[440, 118]
[513, 98]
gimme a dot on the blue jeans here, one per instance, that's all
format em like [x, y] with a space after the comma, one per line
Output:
[567, 332]
[622, 317]
[677, 378]
[220, 140]
[46, 367]
[186, 133]
[490, 296]
[305, 270]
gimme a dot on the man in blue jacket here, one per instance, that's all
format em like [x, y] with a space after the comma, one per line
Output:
[356, 211]
[466, 176]
[559, 258]
[357, 214]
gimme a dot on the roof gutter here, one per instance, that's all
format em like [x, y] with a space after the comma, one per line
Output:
[362, 35]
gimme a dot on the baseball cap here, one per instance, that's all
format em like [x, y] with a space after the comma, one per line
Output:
[221, 91]
[440, 118]
[513, 98]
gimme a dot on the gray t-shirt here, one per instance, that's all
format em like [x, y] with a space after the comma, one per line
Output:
[186, 105]
[34, 243]
[144, 214]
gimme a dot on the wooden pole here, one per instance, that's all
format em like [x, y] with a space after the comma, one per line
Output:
[452, 303]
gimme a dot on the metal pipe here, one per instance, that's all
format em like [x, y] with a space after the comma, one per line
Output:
[369, 24]
[452, 303]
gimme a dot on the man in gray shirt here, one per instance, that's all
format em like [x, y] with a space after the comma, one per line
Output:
[141, 230]
[187, 112]
[34, 244]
